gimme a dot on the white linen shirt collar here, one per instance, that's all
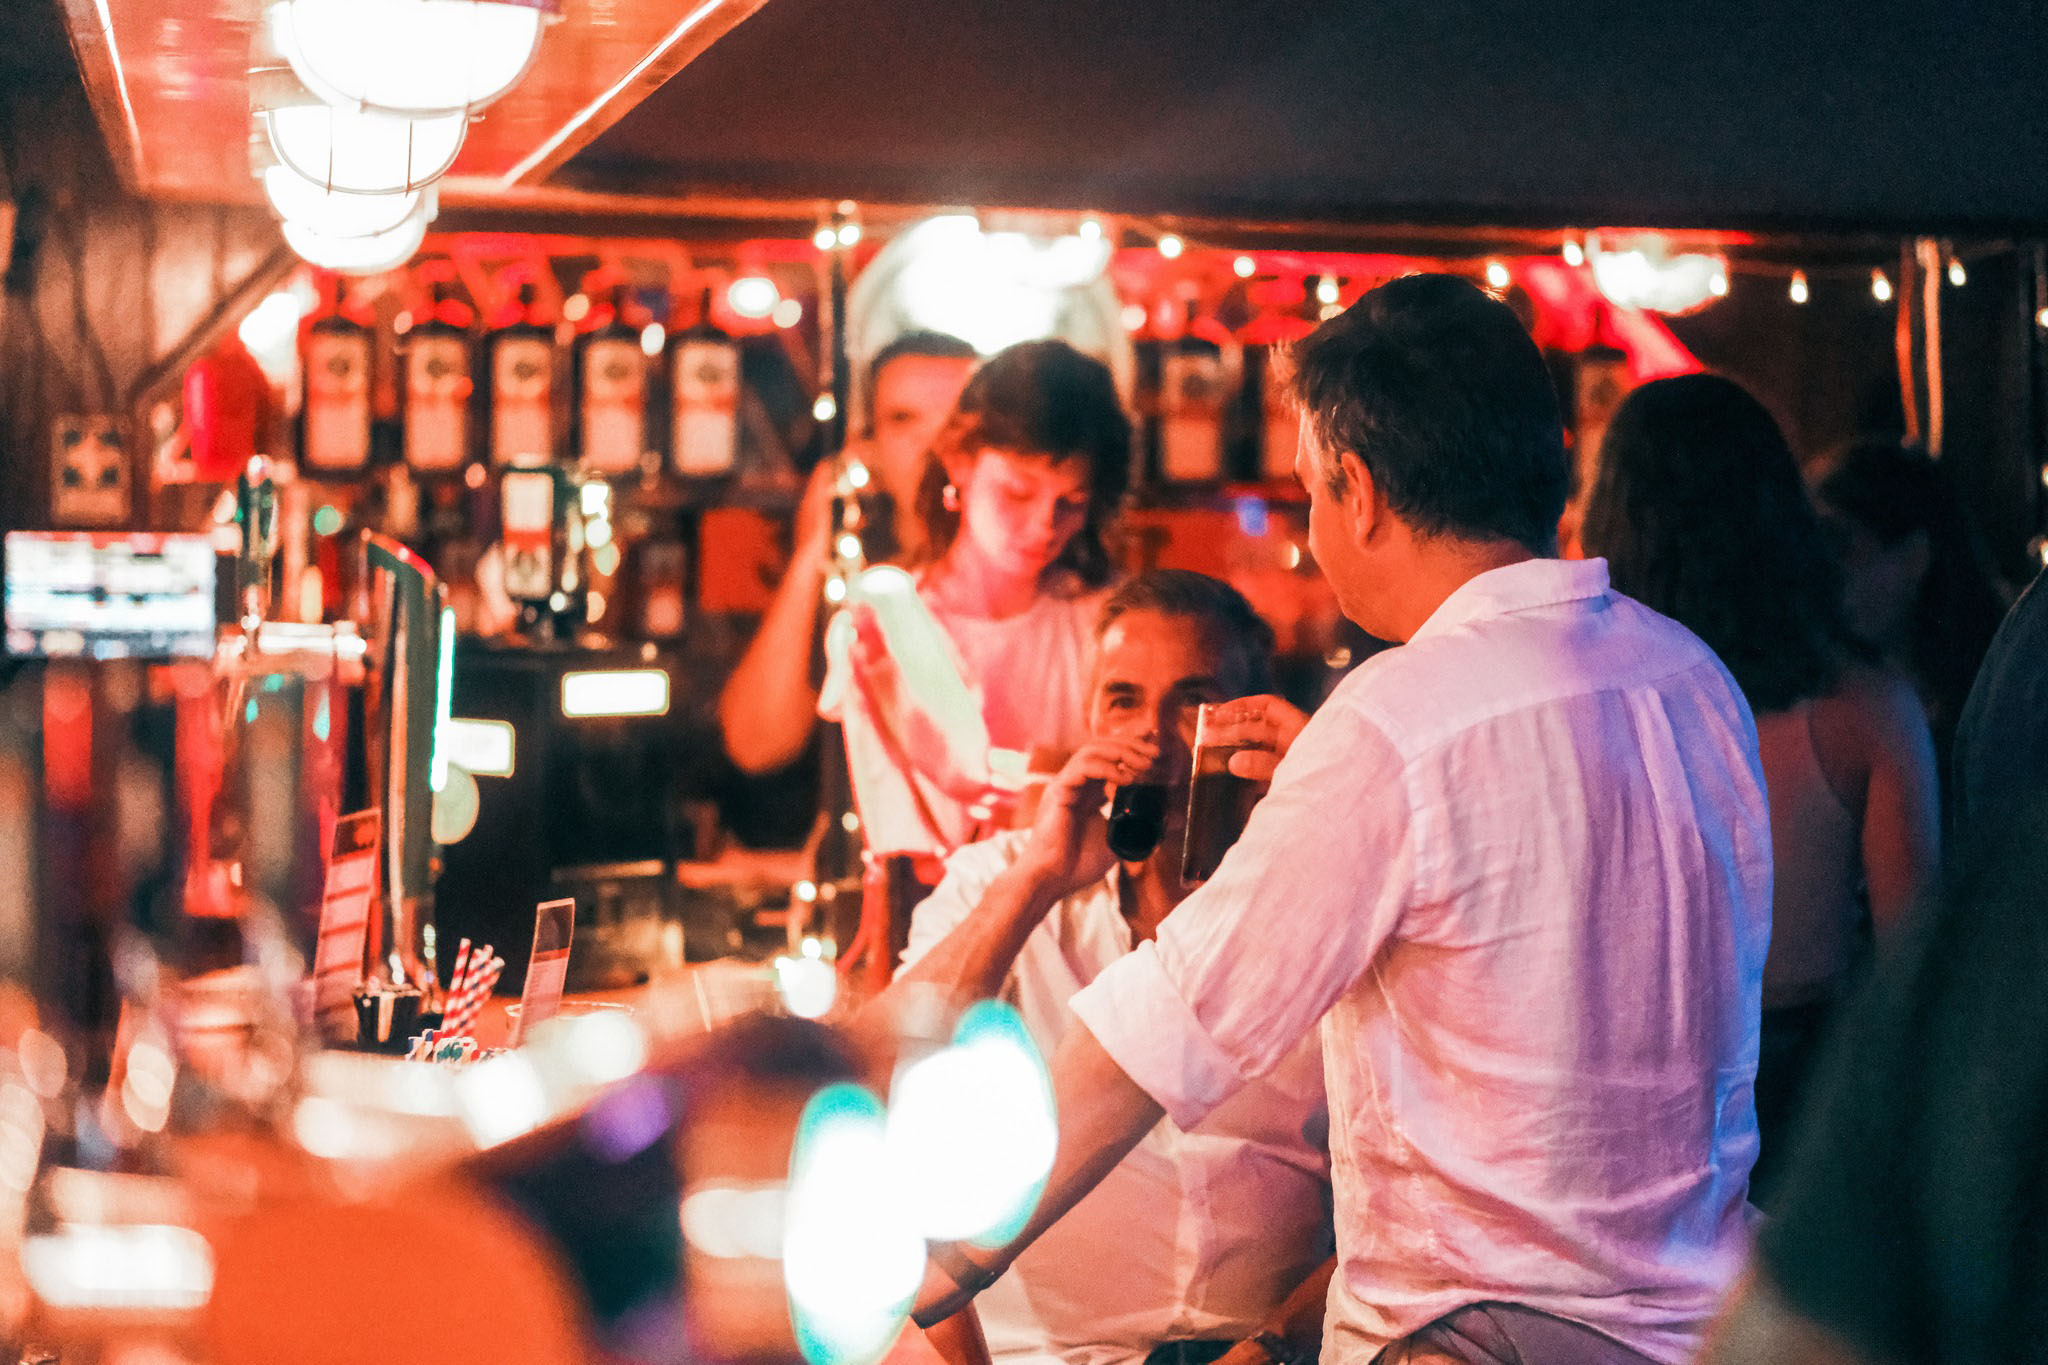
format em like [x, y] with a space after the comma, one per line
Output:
[1521, 586]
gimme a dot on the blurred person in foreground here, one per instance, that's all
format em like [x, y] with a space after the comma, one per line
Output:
[769, 706]
[1919, 584]
[2001, 748]
[1518, 869]
[1198, 1239]
[1700, 512]
[1913, 1226]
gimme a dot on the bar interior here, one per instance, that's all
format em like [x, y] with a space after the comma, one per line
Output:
[476, 774]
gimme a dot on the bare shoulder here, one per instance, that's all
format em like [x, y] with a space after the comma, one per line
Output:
[1872, 719]
[1877, 701]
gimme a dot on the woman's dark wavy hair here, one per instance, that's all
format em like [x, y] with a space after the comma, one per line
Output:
[1701, 514]
[1895, 490]
[1041, 398]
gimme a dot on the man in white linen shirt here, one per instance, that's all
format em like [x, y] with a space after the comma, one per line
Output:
[1519, 868]
[1197, 1238]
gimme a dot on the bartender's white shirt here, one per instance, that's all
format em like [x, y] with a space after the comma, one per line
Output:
[1195, 1234]
[1523, 863]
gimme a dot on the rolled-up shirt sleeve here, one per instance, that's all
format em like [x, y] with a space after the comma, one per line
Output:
[1247, 965]
[969, 874]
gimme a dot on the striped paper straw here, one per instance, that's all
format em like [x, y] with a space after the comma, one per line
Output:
[455, 975]
[476, 989]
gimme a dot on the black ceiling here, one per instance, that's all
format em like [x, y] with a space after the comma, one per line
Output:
[1793, 113]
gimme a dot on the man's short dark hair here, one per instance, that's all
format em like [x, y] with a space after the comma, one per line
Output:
[1438, 389]
[924, 344]
[1246, 639]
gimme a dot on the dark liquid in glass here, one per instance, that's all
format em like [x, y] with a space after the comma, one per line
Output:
[1137, 821]
[1219, 803]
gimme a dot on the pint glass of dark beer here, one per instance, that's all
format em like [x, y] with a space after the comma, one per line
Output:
[1219, 801]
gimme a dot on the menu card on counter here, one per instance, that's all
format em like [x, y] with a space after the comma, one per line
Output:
[345, 921]
[553, 929]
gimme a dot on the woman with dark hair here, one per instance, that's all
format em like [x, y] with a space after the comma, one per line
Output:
[1918, 584]
[1029, 471]
[1699, 510]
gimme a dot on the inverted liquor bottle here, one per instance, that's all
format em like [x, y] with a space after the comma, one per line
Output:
[519, 376]
[1279, 418]
[334, 421]
[611, 391]
[704, 378]
[439, 385]
[1192, 392]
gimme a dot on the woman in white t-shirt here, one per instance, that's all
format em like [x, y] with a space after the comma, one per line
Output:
[1030, 469]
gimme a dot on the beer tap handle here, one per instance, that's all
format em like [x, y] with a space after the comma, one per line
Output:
[256, 513]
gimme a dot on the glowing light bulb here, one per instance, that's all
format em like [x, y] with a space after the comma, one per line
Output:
[1798, 291]
[1957, 276]
[1574, 254]
[1880, 286]
[788, 313]
[1243, 267]
[825, 409]
[856, 474]
[652, 337]
[1497, 276]
[1717, 284]
[2041, 319]
[849, 547]
[1326, 289]
[576, 307]
[752, 296]
[849, 234]
[1170, 246]
[1091, 228]
[823, 238]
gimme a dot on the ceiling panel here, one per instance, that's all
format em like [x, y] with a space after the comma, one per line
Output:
[1768, 112]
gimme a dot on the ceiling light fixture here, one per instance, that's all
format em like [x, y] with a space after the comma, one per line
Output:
[410, 58]
[366, 255]
[1640, 270]
[334, 213]
[355, 152]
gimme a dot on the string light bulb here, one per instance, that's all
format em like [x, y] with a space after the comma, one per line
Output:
[849, 234]
[1327, 290]
[1799, 291]
[1957, 276]
[1574, 254]
[1091, 229]
[1244, 267]
[1717, 284]
[824, 237]
[1497, 276]
[2041, 319]
[1170, 246]
[1880, 286]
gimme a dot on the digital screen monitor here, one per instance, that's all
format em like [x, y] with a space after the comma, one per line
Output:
[99, 595]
